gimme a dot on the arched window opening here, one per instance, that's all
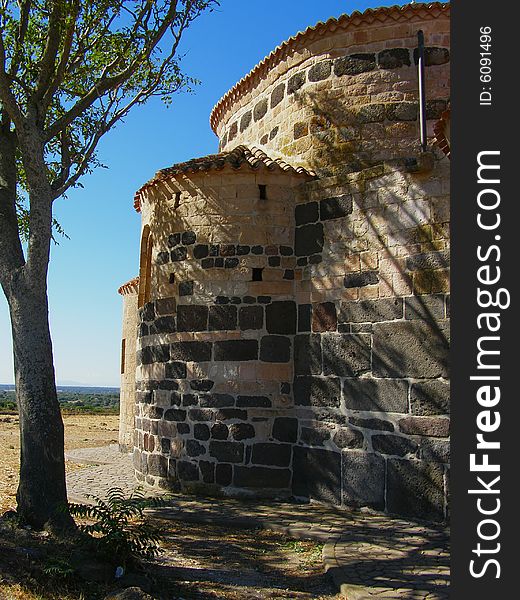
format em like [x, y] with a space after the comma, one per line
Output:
[145, 267]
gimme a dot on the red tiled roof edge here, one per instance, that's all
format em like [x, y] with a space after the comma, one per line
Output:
[439, 130]
[129, 287]
[236, 158]
[381, 14]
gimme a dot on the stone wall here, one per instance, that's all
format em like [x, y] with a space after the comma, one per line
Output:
[371, 354]
[327, 379]
[215, 407]
[128, 366]
[346, 99]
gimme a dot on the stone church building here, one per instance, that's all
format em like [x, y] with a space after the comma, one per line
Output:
[287, 335]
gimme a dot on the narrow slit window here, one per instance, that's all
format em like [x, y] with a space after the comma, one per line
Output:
[123, 351]
[257, 274]
[263, 191]
[177, 200]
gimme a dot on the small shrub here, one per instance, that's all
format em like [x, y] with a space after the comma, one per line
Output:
[120, 529]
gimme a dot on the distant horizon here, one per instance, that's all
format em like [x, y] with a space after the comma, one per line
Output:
[73, 384]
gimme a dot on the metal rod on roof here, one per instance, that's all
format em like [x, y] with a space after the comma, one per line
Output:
[422, 91]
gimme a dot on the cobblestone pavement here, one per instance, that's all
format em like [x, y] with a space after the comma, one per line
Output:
[369, 556]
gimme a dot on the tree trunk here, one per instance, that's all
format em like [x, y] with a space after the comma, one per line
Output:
[41, 496]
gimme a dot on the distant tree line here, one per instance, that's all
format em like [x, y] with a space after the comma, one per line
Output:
[71, 402]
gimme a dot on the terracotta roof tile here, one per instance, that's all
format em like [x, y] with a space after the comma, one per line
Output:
[129, 287]
[239, 157]
[301, 39]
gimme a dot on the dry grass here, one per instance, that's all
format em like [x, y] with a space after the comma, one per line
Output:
[81, 431]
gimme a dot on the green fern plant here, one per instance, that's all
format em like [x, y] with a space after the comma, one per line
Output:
[120, 530]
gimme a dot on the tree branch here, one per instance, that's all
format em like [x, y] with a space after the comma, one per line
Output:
[105, 84]
[48, 61]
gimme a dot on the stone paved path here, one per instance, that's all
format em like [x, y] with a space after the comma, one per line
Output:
[369, 556]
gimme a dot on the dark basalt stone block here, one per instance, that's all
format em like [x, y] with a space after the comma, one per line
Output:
[207, 470]
[379, 395]
[428, 260]
[411, 349]
[394, 445]
[348, 438]
[228, 414]
[394, 58]
[175, 414]
[188, 238]
[308, 239]
[239, 350]
[402, 111]
[201, 431]
[155, 354]
[345, 354]
[192, 317]
[216, 400]
[176, 370]
[304, 317]
[260, 109]
[295, 82]
[430, 398]
[377, 424]
[280, 317]
[230, 452]
[200, 251]
[307, 355]
[157, 465]
[371, 311]
[285, 429]
[231, 263]
[222, 318]
[363, 479]
[274, 455]
[251, 317]
[253, 402]
[354, 64]
[275, 349]
[317, 474]
[185, 288]
[233, 130]
[262, 477]
[163, 325]
[194, 448]
[306, 213]
[191, 351]
[223, 474]
[162, 258]
[317, 391]
[187, 471]
[179, 253]
[201, 385]
[432, 56]
[174, 239]
[415, 489]
[361, 279]
[335, 208]
[242, 431]
[201, 414]
[245, 121]
[320, 70]
[219, 431]
[277, 95]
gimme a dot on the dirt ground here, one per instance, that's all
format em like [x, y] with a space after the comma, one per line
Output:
[81, 431]
[201, 562]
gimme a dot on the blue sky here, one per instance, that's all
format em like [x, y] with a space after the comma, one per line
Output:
[102, 253]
